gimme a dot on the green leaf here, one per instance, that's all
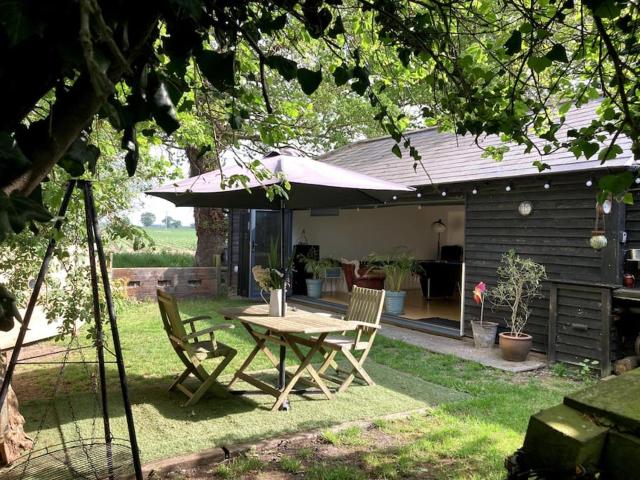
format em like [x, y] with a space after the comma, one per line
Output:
[605, 8]
[19, 21]
[514, 44]
[341, 75]
[526, 28]
[285, 67]
[557, 54]
[617, 183]
[538, 64]
[628, 198]
[218, 68]
[309, 80]
[541, 166]
[609, 153]
[162, 109]
[396, 151]
[589, 148]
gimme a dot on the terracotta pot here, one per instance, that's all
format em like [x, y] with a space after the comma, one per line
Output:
[515, 349]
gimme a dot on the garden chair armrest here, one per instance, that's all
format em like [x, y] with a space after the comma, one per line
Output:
[194, 319]
[364, 324]
[214, 328]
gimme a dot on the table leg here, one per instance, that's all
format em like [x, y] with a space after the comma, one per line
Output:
[282, 371]
[260, 346]
[296, 376]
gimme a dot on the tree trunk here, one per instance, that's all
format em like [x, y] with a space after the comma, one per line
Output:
[13, 439]
[211, 223]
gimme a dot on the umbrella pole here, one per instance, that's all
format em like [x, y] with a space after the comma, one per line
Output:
[282, 380]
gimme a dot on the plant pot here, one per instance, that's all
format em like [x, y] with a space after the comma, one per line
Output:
[275, 303]
[515, 349]
[394, 302]
[484, 334]
[314, 287]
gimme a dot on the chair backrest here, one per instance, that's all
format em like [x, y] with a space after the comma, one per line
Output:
[170, 315]
[365, 305]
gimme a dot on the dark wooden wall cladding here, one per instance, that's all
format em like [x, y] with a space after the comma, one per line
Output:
[580, 325]
[556, 234]
[632, 223]
[190, 282]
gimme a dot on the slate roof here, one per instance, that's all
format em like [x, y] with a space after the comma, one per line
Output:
[457, 159]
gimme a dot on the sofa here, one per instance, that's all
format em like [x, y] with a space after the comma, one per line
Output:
[366, 277]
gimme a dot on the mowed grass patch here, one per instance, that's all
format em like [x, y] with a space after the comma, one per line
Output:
[166, 429]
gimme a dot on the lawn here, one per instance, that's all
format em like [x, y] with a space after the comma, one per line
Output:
[475, 415]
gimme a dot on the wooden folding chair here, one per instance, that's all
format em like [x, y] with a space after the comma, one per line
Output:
[365, 309]
[192, 350]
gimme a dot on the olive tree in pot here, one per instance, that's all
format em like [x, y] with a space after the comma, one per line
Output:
[397, 267]
[317, 269]
[519, 283]
[484, 333]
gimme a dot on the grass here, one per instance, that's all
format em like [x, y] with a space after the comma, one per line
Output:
[152, 259]
[183, 238]
[476, 415]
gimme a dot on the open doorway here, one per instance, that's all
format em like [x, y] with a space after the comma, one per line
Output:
[433, 234]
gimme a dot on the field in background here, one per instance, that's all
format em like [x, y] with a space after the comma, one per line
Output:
[174, 247]
[176, 239]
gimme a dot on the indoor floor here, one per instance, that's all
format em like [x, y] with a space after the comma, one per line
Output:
[416, 306]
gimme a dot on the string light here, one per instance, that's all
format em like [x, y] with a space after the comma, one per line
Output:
[589, 182]
[637, 180]
[419, 207]
[419, 195]
[444, 192]
[395, 197]
[508, 187]
[547, 185]
[474, 191]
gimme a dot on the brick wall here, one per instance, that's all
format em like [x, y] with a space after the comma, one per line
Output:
[141, 283]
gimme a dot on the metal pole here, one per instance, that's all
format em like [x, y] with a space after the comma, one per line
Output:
[34, 295]
[135, 451]
[282, 377]
[95, 293]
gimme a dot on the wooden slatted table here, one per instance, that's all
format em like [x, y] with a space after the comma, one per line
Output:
[284, 331]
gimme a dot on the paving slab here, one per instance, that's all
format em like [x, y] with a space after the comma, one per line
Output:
[464, 348]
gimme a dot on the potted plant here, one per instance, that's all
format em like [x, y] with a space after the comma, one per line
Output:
[484, 333]
[317, 269]
[271, 279]
[519, 283]
[396, 268]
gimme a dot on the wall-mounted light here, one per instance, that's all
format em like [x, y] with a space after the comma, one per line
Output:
[589, 182]
[443, 192]
[419, 195]
[508, 188]
[637, 180]
[474, 191]
[525, 208]
[606, 206]
[547, 185]
[395, 197]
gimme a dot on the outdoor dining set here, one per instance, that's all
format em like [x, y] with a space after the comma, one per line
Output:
[310, 336]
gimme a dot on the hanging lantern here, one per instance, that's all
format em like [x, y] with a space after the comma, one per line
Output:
[598, 239]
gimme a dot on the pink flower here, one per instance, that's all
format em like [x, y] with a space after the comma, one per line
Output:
[478, 292]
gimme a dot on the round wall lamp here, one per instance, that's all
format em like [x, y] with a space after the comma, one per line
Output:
[508, 188]
[474, 191]
[525, 208]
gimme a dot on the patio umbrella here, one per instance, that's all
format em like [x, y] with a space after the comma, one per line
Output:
[313, 185]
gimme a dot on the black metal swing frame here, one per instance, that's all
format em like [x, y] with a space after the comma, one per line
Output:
[95, 248]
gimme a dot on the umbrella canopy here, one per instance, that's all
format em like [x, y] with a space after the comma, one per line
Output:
[313, 185]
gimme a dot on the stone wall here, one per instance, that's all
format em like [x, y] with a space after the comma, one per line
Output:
[142, 283]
